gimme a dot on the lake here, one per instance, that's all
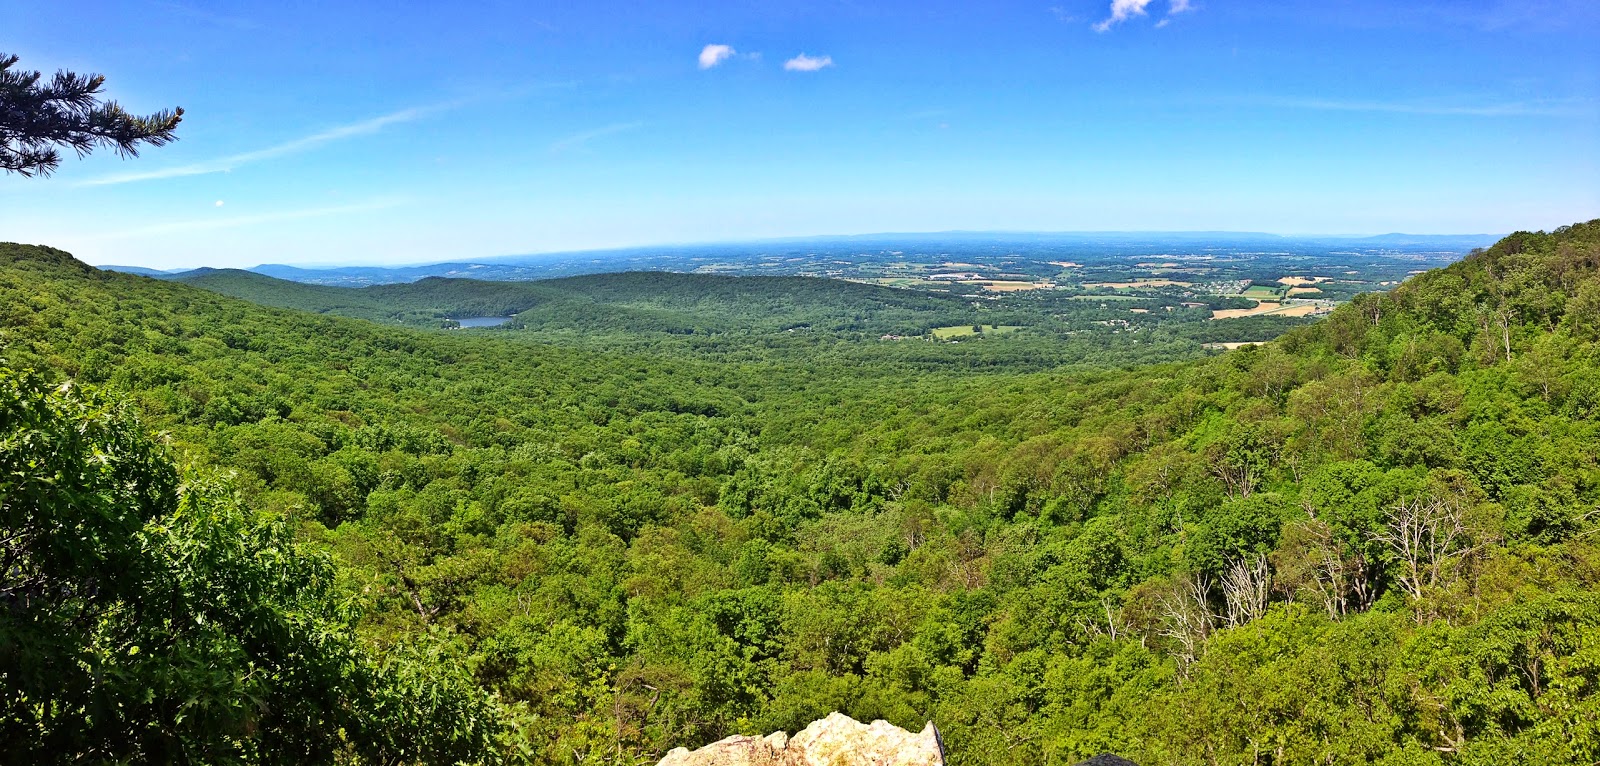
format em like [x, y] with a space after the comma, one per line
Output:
[483, 321]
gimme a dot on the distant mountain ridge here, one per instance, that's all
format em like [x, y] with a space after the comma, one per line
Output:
[140, 270]
[669, 302]
[736, 255]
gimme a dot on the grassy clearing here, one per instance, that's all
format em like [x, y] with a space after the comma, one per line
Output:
[1004, 286]
[1258, 292]
[1268, 307]
[964, 330]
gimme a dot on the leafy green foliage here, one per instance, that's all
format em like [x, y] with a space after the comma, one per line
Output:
[1369, 541]
[149, 618]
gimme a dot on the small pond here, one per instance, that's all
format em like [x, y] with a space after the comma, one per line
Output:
[483, 321]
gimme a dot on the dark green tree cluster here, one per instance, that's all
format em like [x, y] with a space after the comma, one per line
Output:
[148, 618]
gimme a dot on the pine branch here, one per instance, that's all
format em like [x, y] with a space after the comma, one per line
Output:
[36, 119]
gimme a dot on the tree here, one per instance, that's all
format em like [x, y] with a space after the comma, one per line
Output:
[1186, 617]
[1425, 537]
[1245, 587]
[36, 119]
[146, 617]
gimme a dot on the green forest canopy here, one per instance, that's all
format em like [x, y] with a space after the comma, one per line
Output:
[1369, 541]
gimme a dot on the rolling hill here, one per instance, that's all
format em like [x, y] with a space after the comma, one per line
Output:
[1369, 541]
[632, 301]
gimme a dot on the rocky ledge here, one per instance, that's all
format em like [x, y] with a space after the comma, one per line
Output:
[837, 740]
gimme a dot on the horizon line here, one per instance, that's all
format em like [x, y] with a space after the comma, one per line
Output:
[500, 259]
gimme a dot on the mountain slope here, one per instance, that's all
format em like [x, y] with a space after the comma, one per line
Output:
[631, 301]
[1371, 541]
[427, 302]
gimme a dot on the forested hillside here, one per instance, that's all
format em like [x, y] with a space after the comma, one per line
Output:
[1371, 541]
[785, 320]
[640, 302]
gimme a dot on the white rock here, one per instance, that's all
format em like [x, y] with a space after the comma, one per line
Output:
[837, 740]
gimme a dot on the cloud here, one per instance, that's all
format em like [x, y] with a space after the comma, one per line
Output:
[1122, 10]
[804, 63]
[1175, 8]
[225, 164]
[577, 140]
[712, 55]
[249, 220]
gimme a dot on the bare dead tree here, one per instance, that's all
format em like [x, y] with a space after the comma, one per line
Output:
[1314, 563]
[1112, 626]
[1186, 617]
[1245, 587]
[1240, 475]
[1427, 537]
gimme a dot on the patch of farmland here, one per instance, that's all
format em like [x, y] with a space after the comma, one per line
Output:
[966, 330]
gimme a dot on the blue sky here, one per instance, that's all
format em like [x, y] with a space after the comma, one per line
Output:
[400, 132]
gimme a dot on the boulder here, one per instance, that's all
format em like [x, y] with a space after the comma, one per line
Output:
[733, 751]
[840, 740]
[837, 740]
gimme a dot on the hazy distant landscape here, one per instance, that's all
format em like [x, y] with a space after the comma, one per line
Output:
[1035, 286]
[916, 257]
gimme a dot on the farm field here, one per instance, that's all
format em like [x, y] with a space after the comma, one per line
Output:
[1006, 286]
[1294, 281]
[1268, 308]
[1259, 292]
[967, 331]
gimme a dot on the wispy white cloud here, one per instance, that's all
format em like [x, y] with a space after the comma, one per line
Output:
[225, 164]
[1555, 108]
[1062, 15]
[1175, 8]
[804, 63]
[577, 140]
[201, 224]
[1122, 10]
[712, 55]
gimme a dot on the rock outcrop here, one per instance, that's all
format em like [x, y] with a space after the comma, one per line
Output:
[837, 740]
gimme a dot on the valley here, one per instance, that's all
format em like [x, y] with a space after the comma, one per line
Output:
[656, 509]
[800, 384]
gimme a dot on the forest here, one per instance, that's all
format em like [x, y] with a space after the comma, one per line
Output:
[763, 318]
[649, 515]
